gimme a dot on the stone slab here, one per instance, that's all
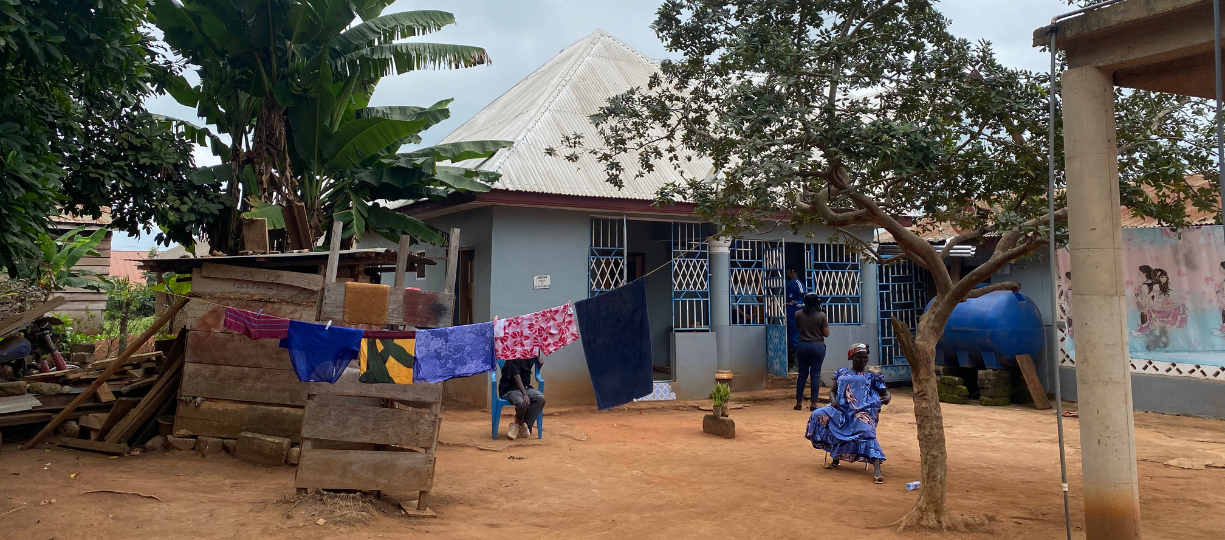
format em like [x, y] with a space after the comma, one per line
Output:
[721, 426]
[181, 443]
[994, 401]
[15, 388]
[1004, 392]
[209, 446]
[261, 449]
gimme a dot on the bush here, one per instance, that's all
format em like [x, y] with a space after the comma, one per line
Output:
[139, 299]
[720, 394]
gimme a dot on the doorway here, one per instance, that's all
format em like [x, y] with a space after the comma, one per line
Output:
[464, 280]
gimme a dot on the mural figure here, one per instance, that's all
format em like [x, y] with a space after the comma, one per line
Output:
[1163, 309]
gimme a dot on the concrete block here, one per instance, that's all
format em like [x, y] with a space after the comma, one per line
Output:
[68, 429]
[721, 426]
[158, 442]
[83, 348]
[15, 388]
[956, 400]
[181, 443]
[1005, 391]
[992, 374]
[209, 446]
[229, 444]
[261, 449]
[949, 380]
[994, 401]
[81, 359]
[953, 390]
[295, 455]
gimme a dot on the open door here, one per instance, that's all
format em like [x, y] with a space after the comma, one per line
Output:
[776, 316]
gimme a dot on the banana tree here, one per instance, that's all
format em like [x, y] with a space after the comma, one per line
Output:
[262, 62]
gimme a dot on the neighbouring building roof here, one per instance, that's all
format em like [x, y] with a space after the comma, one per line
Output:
[939, 232]
[125, 264]
[556, 100]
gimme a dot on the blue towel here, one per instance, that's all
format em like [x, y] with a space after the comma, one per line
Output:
[319, 353]
[449, 353]
[617, 343]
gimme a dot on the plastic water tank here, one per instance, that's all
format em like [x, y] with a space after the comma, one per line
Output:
[990, 331]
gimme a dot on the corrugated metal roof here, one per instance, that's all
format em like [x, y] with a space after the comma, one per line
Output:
[556, 100]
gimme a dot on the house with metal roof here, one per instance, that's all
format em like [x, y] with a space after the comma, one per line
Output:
[553, 231]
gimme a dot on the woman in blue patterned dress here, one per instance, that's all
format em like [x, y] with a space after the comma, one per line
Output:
[846, 428]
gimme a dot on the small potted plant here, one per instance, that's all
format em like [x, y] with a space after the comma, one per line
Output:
[719, 396]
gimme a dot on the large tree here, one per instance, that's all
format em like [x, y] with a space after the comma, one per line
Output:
[852, 113]
[74, 136]
[289, 83]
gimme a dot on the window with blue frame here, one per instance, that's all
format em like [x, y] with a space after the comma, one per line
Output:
[748, 287]
[834, 274]
[606, 260]
[690, 278]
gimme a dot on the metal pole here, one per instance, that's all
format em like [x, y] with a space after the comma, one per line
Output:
[1053, 349]
[1220, 122]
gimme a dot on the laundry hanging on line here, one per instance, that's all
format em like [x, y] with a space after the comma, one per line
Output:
[255, 325]
[535, 334]
[320, 353]
[385, 360]
[616, 338]
[453, 352]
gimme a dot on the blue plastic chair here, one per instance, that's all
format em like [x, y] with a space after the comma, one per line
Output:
[496, 401]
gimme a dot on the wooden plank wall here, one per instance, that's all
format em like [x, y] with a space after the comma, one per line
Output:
[82, 303]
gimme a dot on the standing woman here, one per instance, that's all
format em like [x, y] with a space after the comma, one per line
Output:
[795, 301]
[812, 327]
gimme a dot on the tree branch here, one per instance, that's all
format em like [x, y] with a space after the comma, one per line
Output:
[871, 16]
[1002, 286]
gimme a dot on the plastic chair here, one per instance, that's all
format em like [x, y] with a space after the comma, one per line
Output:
[496, 401]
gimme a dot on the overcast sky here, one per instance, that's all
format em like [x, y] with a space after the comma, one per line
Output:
[522, 35]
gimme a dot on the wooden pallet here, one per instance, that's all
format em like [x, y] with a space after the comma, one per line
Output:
[370, 437]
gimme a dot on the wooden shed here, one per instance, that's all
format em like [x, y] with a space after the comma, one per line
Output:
[231, 383]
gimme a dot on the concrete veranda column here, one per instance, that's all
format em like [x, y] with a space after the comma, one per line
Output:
[721, 304]
[1103, 371]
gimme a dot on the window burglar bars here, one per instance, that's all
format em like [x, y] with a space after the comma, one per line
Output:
[833, 273]
[607, 268]
[747, 286]
[690, 278]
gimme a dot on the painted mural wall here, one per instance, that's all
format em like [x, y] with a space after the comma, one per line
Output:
[1175, 303]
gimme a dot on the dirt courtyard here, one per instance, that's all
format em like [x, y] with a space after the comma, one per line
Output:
[643, 471]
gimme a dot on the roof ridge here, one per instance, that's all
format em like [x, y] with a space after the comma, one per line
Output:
[555, 91]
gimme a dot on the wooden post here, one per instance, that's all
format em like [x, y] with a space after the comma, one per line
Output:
[1031, 381]
[452, 261]
[338, 228]
[106, 374]
[401, 262]
[255, 235]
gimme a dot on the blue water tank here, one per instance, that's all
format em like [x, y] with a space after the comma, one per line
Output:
[990, 331]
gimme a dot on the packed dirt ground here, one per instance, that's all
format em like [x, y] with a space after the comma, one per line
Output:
[642, 471]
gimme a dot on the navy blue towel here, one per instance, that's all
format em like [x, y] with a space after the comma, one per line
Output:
[617, 343]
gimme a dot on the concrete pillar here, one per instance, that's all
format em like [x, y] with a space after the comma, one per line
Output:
[721, 304]
[1103, 372]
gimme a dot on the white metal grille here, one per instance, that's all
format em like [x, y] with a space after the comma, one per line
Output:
[607, 268]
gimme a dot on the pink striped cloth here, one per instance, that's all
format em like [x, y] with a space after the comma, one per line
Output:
[256, 325]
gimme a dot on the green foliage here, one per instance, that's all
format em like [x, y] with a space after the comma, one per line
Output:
[179, 284]
[290, 82]
[720, 394]
[130, 299]
[73, 132]
[53, 269]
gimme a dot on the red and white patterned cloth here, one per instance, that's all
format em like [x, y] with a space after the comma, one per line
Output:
[540, 333]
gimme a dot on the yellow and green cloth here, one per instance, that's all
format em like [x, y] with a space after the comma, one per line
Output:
[387, 360]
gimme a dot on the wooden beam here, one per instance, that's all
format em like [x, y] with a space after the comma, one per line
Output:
[363, 424]
[401, 261]
[95, 446]
[13, 323]
[121, 409]
[165, 388]
[110, 370]
[1030, 373]
[297, 279]
[365, 470]
[452, 261]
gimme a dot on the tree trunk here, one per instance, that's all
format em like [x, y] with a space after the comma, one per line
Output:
[930, 512]
[270, 149]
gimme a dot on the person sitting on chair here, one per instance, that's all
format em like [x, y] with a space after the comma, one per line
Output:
[846, 428]
[515, 386]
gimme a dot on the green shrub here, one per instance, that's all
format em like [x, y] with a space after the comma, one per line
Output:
[720, 394]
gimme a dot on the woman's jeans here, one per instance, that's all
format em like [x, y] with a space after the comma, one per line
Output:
[811, 354]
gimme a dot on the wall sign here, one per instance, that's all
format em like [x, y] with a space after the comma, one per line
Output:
[542, 282]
